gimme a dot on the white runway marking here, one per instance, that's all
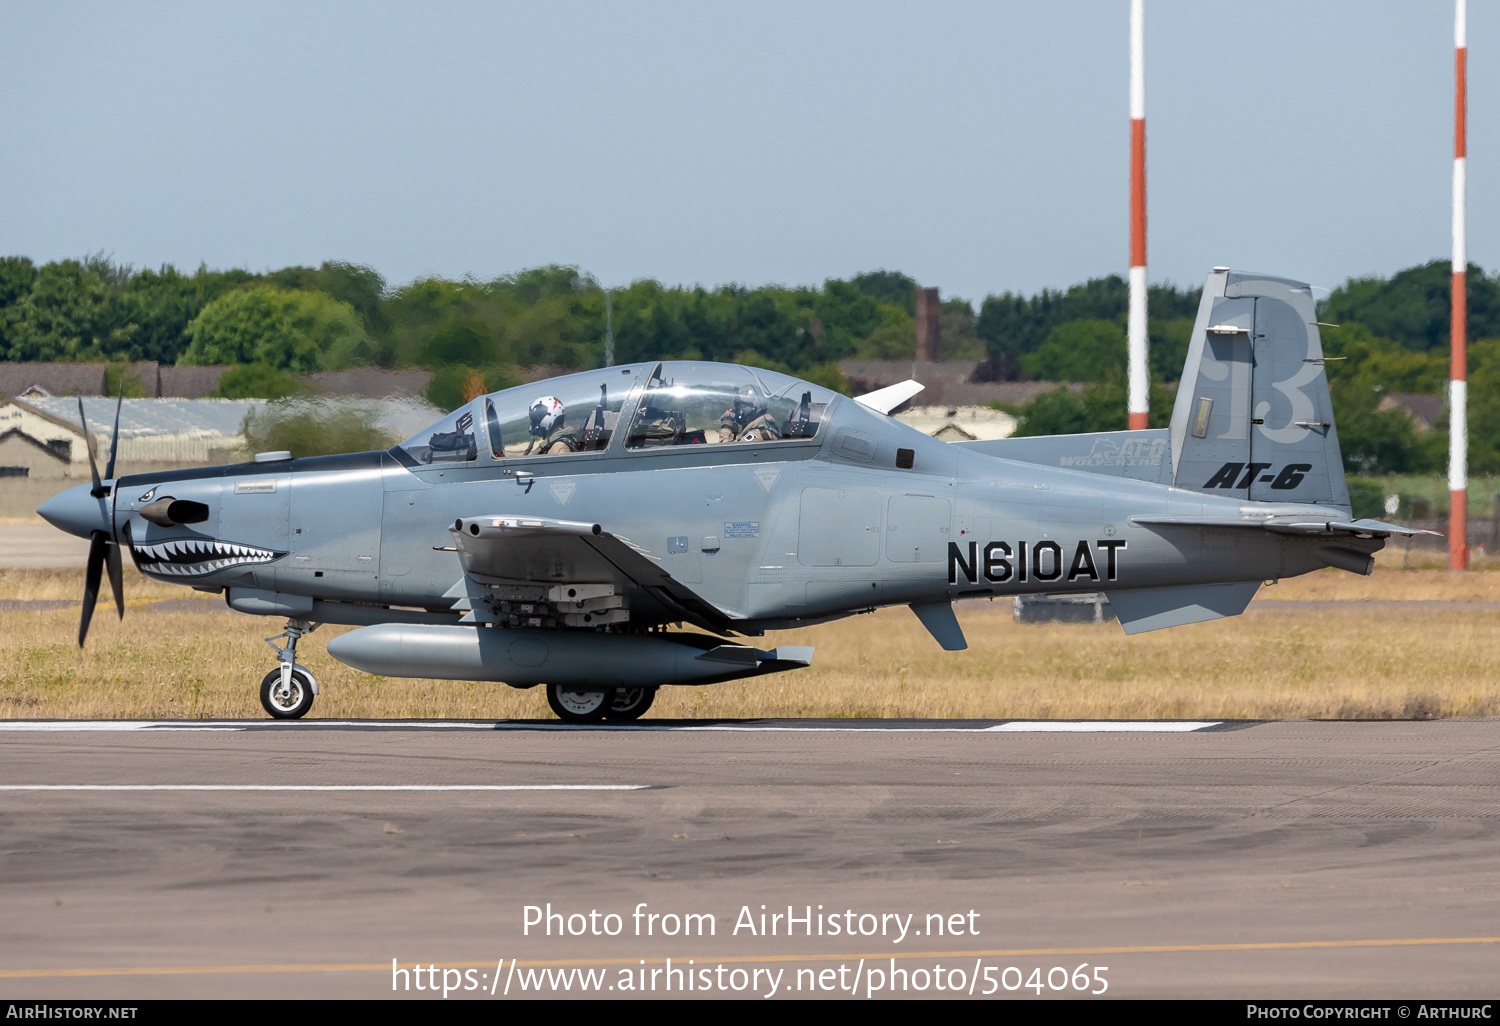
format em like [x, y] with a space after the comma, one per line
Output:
[324, 787]
[220, 725]
[112, 725]
[1012, 727]
[1009, 727]
[1103, 726]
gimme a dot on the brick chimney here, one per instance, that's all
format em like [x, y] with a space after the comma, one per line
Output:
[929, 328]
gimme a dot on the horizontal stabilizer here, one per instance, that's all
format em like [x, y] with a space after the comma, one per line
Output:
[1289, 525]
[1151, 609]
[884, 400]
[1373, 528]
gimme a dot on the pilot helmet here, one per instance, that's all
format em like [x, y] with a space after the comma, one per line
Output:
[748, 405]
[546, 415]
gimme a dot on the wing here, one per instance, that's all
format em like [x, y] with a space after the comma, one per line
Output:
[525, 569]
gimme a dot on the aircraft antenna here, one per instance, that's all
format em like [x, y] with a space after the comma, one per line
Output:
[1139, 382]
[1458, 433]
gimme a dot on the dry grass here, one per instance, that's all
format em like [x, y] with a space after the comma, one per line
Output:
[67, 584]
[1432, 582]
[1354, 663]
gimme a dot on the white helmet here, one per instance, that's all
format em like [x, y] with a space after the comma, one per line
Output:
[546, 415]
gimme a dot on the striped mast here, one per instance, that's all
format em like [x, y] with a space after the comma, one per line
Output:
[1139, 381]
[1458, 404]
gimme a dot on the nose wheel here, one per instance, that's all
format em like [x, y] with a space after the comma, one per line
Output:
[289, 699]
[287, 692]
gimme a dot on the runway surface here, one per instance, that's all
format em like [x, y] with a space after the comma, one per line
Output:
[1296, 859]
[38, 545]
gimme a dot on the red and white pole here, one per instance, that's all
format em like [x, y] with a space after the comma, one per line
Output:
[1139, 379]
[1458, 405]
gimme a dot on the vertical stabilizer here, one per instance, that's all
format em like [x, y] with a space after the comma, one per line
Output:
[1253, 417]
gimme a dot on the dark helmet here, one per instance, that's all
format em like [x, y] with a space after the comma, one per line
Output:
[748, 405]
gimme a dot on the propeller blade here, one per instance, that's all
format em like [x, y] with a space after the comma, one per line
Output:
[116, 577]
[97, 549]
[88, 441]
[114, 439]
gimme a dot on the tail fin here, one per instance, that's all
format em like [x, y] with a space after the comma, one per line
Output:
[1253, 417]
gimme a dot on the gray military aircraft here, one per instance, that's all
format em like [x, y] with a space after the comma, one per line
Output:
[550, 534]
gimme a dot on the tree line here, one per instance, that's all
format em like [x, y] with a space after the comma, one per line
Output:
[279, 324]
[1391, 335]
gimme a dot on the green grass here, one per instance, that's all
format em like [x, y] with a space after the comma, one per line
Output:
[1432, 489]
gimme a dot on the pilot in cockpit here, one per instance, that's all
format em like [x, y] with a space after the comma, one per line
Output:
[547, 428]
[748, 420]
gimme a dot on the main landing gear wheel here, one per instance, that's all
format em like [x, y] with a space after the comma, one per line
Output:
[574, 705]
[631, 703]
[290, 701]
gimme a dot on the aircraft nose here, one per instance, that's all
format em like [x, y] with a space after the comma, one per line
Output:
[77, 512]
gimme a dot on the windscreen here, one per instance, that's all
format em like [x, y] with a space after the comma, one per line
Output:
[450, 440]
[552, 417]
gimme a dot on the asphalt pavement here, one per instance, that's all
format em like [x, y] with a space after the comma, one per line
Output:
[243, 859]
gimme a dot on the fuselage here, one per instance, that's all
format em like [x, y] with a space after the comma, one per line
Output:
[866, 512]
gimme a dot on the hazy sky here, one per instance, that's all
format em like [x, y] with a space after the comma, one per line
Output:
[979, 147]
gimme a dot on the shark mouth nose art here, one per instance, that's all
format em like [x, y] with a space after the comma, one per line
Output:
[190, 558]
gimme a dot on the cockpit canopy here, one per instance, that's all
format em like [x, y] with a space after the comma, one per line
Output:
[719, 403]
[671, 403]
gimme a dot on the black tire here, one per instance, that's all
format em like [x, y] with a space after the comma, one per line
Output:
[631, 703]
[575, 705]
[291, 704]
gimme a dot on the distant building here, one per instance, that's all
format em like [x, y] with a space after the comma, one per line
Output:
[948, 383]
[42, 438]
[155, 431]
[1424, 410]
[50, 380]
[36, 444]
[186, 382]
[929, 326]
[166, 381]
[43, 380]
[372, 382]
[960, 423]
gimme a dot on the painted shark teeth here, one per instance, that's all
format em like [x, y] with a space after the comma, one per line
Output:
[194, 557]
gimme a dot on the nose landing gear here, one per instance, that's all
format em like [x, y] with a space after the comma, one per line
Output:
[287, 692]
